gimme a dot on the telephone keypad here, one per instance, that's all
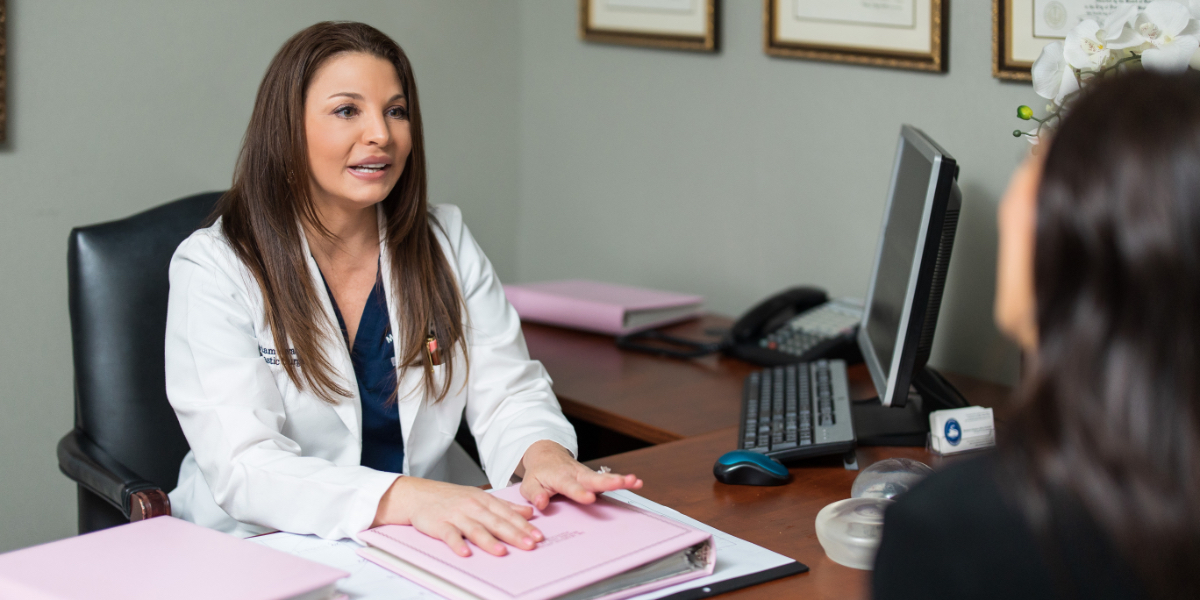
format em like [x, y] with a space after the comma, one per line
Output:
[809, 329]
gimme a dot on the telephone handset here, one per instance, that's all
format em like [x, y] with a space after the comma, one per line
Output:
[771, 334]
[799, 324]
[772, 313]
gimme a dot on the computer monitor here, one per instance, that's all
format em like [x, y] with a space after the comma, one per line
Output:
[905, 293]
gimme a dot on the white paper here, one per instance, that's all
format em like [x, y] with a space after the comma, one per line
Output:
[658, 17]
[651, 5]
[858, 25]
[883, 13]
[1054, 18]
[368, 581]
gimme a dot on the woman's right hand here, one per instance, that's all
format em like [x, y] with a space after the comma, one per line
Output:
[455, 513]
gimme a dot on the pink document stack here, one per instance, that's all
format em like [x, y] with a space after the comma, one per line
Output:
[617, 549]
[161, 558]
[600, 307]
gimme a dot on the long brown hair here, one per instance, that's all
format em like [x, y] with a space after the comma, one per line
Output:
[262, 212]
[1110, 414]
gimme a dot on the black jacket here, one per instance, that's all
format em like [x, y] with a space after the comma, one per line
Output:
[956, 536]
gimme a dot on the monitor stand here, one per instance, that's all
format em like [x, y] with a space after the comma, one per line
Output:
[908, 425]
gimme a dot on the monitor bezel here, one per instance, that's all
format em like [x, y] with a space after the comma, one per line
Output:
[897, 379]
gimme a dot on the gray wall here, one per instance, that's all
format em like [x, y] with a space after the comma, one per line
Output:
[731, 175]
[734, 175]
[115, 107]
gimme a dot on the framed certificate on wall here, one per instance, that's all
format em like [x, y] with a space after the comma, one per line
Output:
[1021, 28]
[905, 34]
[675, 24]
[3, 75]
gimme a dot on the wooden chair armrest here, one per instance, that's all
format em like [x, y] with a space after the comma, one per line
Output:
[86, 463]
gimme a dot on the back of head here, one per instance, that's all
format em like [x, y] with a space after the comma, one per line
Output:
[1111, 412]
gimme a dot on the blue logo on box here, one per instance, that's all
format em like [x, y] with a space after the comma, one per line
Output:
[953, 432]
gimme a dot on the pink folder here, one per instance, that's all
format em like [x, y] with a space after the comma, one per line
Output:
[600, 307]
[585, 544]
[161, 558]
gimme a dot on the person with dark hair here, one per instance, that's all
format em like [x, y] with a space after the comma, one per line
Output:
[1094, 491]
[330, 329]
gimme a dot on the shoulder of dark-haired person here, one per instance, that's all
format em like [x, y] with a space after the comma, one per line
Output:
[956, 535]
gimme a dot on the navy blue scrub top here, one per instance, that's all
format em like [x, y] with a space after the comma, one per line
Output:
[373, 356]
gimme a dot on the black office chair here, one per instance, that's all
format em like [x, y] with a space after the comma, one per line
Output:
[127, 446]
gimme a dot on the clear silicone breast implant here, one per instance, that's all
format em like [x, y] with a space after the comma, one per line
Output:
[889, 478]
[849, 530]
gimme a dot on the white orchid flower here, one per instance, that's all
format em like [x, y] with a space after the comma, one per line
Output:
[1194, 8]
[1173, 37]
[1090, 45]
[1053, 77]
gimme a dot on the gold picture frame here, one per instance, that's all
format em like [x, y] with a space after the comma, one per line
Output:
[915, 54]
[675, 32]
[1004, 64]
[3, 73]
[1022, 28]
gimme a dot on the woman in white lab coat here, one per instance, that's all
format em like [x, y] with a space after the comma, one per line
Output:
[329, 331]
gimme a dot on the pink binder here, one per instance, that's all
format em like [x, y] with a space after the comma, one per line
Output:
[585, 544]
[161, 558]
[600, 307]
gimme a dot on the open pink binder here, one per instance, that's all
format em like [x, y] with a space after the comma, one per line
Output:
[162, 557]
[600, 307]
[604, 550]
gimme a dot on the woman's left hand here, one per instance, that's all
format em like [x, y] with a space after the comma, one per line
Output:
[548, 469]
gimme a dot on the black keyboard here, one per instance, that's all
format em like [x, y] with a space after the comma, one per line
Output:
[797, 410]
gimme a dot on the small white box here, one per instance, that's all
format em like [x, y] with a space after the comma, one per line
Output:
[961, 429]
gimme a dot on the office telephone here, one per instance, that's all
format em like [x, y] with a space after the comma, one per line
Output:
[796, 325]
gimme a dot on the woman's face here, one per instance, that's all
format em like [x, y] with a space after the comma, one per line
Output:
[1015, 309]
[356, 122]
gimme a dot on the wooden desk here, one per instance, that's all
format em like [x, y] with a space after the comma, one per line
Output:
[679, 474]
[691, 409]
[659, 400]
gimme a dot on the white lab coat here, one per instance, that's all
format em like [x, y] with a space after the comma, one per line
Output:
[267, 455]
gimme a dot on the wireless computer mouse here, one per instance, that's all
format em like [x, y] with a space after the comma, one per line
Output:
[742, 467]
